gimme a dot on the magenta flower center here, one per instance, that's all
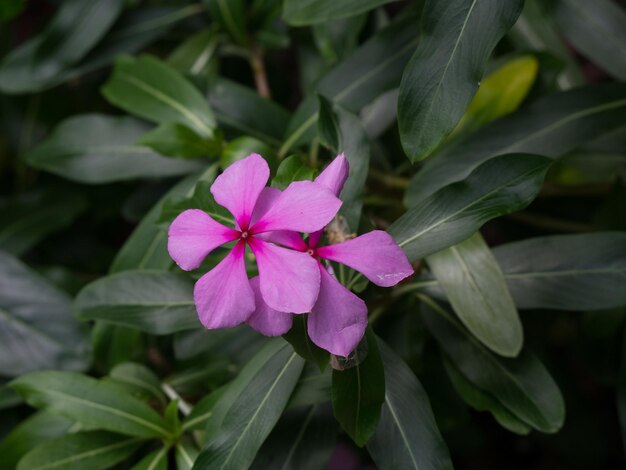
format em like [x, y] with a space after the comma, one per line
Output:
[244, 234]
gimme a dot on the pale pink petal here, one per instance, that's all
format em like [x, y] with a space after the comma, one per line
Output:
[223, 296]
[339, 318]
[304, 206]
[266, 199]
[335, 174]
[266, 320]
[375, 254]
[193, 235]
[290, 280]
[286, 238]
[239, 186]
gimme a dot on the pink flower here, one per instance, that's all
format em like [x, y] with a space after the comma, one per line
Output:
[338, 319]
[288, 281]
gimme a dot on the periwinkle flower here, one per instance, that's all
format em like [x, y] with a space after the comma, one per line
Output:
[288, 281]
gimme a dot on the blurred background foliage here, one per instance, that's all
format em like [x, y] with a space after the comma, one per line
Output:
[116, 115]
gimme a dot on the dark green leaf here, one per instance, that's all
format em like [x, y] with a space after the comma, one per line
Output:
[621, 389]
[596, 30]
[291, 169]
[500, 186]
[34, 430]
[443, 75]
[94, 148]
[186, 455]
[552, 126]
[231, 16]
[95, 450]
[177, 140]
[475, 287]
[202, 411]
[336, 39]
[139, 379]
[242, 110]
[566, 272]
[31, 217]
[241, 147]
[195, 53]
[250, 408]
[302, 344]
[151, 301]
[148, 88]
[358, 394]
[93, 403]
[201, 199]
[302, 440]
[73, 31]
[156, 460]
[482, 401]
[304, 12]
[113, 345]
[407, 436]
[313, 388]
[522, 385]
[10, 9]
[37, 329]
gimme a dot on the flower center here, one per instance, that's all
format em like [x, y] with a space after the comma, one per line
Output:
[310, 252]
[244, 235]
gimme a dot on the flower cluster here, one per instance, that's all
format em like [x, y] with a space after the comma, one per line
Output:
[293, 278]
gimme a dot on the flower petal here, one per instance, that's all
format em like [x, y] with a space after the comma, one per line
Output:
[223, 296]
[304, 206]
[239, 187]
[266, 199]
[289, 280]
[339, 318]
[266, 320]
[335, 174]
[375, 254]
[193, 235]
[286, 238]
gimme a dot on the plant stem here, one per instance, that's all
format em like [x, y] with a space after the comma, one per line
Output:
[258, 69]
[389, 180]
[172, 394]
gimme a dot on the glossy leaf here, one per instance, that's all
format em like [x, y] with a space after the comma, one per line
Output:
[250, 407]
[202, 411]
[155, 460]
[500, 186]
[475, 287]
[305, 12]
[566, 272]
[596, 30]
[72, 32]
[291, 169]
[522, 385]
[186, 455]
[176, 140]
[28, 219]
[37, 329]
[407, 434]
[93, 403]
[440, 80]
[96, 450]
[358, 394]
[299, 339]
[31, 432]
[151, 301]
[148, 88]
[551, 126]
[138, 378]
[94, 148]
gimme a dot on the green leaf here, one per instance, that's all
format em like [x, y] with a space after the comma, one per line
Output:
[305, 12]
[242, 111]
[500, 186]
[146, 248]
[291, 169]
[201, 199]
[177, 140]
[552, 126]
[28, 219]
[149, 88]
[336, 39]
[482, 401]
[193, 55]
[241, 147]
[596, 30]
[303, 439]
[156, 460]
[500, 93]
[93, 403]
[313, 388]
[94, 148]
[475, 287]
[407, 436]
[95, 450]
[250, 408]
[186, 455]
[358, 394]
[299, 339]
[139, 379]
[536, 30]
[443, 75]
[566, 272]
[72, 32]
[522, 385]
[10, 9]
[202, 411]
[355, 82]
[34, 430]
[231, 16]
[621, 388]
[113, 345]
[151, 301]
[37, 329]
